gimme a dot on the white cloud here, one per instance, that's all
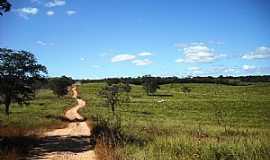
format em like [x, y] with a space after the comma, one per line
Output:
[224, 70]
[184, 45]
[55, 3]
[259, 53]
[180, 60]
[194, 68]
[248, 67]
[145, 54]
[230, 70]
[50, 13]
[123, 57]
[36, 1]
[70, 12]
[139, 62]
[42, 43]
[27, 11]
[133, 58]
[82, 59]
[197, 52]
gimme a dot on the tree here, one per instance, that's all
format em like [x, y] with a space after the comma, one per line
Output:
[114, 95]
[4, 6]
[18, 71]
[150, 84]
[59, 86]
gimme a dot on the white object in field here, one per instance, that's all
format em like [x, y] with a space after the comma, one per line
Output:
[160, 101]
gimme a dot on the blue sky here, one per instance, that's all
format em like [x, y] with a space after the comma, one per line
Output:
[109, 38]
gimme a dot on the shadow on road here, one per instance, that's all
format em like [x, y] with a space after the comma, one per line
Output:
[60, 144]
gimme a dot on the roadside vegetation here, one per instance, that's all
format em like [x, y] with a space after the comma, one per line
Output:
[212, 121]
[27, 106]
[44, 111]
[20, 130]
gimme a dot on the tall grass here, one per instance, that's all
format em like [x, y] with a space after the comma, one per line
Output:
[107, 136]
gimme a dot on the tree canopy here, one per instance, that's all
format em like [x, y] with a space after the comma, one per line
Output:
[60, 85]
[150, 84]
[18, 72]
[4, 6]
[115, 94]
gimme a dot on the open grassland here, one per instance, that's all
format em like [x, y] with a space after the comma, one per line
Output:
[43, 112]
[18, 131]
[211, 122]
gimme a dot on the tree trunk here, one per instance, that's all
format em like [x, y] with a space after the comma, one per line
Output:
[113, 109]
[7, 104]
[7, 108]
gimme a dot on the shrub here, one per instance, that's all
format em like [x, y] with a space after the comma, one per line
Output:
[59, 86]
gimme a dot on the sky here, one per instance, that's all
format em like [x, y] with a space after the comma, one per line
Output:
[121, 38]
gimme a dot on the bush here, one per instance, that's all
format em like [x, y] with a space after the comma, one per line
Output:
[107, 129]
[59, 86]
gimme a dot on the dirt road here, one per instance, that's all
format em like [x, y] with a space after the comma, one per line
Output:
[70, 143]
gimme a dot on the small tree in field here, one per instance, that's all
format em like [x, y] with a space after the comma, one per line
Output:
[59, 86]
[186, 90]
[114, 95]
[150, 85]
[18, 72]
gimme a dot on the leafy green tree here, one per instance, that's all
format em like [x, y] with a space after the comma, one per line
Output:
[60, 85]
[4, 6]
[18, 72]
[114, 95]
[150, 84]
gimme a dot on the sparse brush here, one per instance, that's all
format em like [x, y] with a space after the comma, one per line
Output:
[104, 151]
[16, 143]
[107, 136]
[107, 129]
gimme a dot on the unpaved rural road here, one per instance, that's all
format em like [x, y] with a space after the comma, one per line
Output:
[70, 143]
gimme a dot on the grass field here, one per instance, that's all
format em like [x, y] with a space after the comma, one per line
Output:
[211, 122]
[41, 113]
[18, 131]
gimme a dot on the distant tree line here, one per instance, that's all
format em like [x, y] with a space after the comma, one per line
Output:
[229, 80]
